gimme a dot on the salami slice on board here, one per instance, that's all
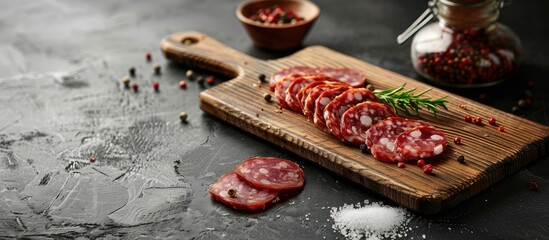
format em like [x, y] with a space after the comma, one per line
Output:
[247, 197]
[282, 85]
[304, 92]
[358, 119]
[271, 173]
[345, 75]
[420, 142]
[310, 100]
[381, 137]
[335, 109]
[320, 104]
[295, 87]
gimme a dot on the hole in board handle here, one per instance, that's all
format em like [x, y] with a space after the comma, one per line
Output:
[189, 41]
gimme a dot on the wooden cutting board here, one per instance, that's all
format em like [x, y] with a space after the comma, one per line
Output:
[490, 155]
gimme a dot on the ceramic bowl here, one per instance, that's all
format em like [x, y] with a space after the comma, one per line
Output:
[278, 36]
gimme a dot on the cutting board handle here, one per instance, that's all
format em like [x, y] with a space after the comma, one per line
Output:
[199, 51]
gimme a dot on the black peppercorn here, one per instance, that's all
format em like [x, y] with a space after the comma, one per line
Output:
[132, 71]
[262, 77]
[516, 110]
[363, 148]
[267, 97]
[200, 80]
[461, 159]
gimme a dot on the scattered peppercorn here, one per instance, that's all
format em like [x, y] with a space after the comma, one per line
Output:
[210, 80]
[182, 84]
[157, 68]
[148, 56]
[457, 140]
[420, 163]
[189, 74]
[401, 164]
[468, 118]
[516, 110]
[135, 87]
[93, 159]
[183, 116]
[267, 97]
[370, 87]
[262, 77]
[363, 148]
[132, 71]
[461, 159]
[478, 121]
[272, 88]
[155, 85]
[200, 80]
[533, 186]
[126, 81]
[521, 103]
[501, 128]
[428, 168]
[492, 121]
[528, 101]
[232, 192]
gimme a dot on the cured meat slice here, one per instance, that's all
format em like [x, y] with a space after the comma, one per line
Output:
[335, 109]
[358, 119]
[271, 173]
[381, 137]
[287, 71]
[304, 92]
[345, 75]
[320, 104]
[296, 86]
[246, 197]
[283, 84]
[310, 100]
[420, 142]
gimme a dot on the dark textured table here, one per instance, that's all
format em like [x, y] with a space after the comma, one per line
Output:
[62, 101]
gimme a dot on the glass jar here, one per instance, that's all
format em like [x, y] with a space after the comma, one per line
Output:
[467, 47]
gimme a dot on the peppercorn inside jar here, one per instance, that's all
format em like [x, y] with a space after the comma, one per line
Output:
[466, 48]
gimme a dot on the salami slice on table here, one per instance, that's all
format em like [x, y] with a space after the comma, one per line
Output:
[320, 104]
[335, 109]
[247, 197]
[345, 75]
[271, 173]
[381, 137]
[304, 92]
[420, 142]
[282, 85]
[296, 86]
[358, 119]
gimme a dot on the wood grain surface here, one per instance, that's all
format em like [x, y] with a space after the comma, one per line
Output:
[490, 155]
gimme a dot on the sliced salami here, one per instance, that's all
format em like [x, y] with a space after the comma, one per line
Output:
[335, 109]
[271, 173]
[381, 137]
[287, 71]
[320, 104]
[282, 85]
[358, 119]
[304, 92]
[296, 86]
[420, 142]
[246, 197]
[310, 100]
[345, 75]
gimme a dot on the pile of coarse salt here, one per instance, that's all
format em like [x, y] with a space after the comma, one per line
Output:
[370, 221]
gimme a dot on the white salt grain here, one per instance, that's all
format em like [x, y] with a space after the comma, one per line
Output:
[370, 221]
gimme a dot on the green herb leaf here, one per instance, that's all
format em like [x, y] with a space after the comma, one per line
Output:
[405, 101]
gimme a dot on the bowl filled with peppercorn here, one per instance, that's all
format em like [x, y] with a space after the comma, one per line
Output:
[275, 24]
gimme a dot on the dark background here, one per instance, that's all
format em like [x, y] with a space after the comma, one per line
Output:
[61, 101]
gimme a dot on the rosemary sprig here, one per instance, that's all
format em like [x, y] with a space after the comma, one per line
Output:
[405, 101]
